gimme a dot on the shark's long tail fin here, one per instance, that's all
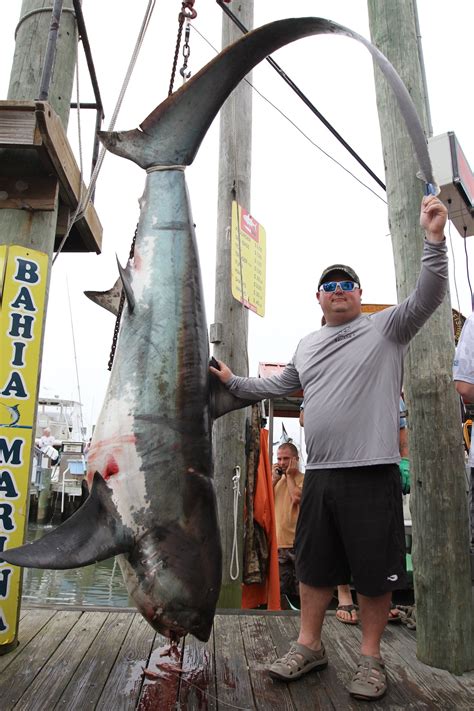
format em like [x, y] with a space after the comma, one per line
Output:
[172, 133]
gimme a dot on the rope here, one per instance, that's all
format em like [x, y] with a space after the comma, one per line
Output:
[138, 45]
[157, 168]
[75, 354]
[234, 560]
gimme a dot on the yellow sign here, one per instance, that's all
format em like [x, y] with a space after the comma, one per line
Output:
[21, 322]
[248, 260]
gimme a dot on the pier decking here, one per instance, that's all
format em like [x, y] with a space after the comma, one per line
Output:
[94, 659]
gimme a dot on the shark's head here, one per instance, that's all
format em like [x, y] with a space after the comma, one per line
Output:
[172, 582]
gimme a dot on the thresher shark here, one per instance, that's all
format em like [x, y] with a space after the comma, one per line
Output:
[152, 500]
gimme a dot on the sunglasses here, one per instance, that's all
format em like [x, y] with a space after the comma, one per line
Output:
[331, 286]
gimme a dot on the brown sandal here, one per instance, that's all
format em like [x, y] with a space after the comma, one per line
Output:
[350, 609]
[370, 680]
[298, 661]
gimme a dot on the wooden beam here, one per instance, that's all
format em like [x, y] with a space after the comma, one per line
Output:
[29, 193]
[438, 498]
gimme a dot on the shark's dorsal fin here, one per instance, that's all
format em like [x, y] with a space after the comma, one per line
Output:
[110, 299]
[126, 284]
[93, 533]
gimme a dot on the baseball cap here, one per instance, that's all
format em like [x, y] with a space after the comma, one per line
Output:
[338, 268]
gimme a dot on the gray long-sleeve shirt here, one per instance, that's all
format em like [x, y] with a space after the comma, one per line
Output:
[352, 376]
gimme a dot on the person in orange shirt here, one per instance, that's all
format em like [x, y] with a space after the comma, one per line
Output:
[287, 483]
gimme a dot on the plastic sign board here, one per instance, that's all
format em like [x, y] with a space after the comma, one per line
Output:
[455, 179]
[248, 260]
[21, 325]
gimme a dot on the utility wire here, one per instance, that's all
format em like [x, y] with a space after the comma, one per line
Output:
[75, 354]
[305, 99]
[285, 116]
[454, 265]
[467, 268]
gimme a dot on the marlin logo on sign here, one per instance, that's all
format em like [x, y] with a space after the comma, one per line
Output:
[14, 413]
[249, 224]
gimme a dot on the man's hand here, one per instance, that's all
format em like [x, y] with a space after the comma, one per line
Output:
[433, 217]
[293, 490]
[224, 373]
[292, 469]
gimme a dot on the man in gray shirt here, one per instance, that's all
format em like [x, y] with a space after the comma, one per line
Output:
[351, 519]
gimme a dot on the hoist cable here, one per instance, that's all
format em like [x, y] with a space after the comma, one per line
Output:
[305, 100]
[285, 116]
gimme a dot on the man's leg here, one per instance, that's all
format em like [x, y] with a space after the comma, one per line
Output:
[308, 652]
[314, 603]
[373, 615]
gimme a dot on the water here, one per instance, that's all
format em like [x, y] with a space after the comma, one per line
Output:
[100, 584]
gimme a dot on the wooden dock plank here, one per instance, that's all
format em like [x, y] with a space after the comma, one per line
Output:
[30, 624]
[161, 692]
[343, 646]
[34, 656]
[123, 687]
[197, 688]
[259, 651]
[94, 659]
[233, 683]
[92, 672]
[448, 691]
[47, 688]
[310, 693]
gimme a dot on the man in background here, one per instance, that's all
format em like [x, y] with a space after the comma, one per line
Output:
[287, 483]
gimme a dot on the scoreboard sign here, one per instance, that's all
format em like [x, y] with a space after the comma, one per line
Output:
[23, 281]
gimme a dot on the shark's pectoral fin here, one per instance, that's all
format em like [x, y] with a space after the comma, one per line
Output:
[221, 400]
[110, 299]
[93, 533]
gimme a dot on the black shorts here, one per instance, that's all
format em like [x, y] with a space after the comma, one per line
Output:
[351, 522]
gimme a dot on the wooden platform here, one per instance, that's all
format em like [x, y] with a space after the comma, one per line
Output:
[33, 126]
[93, 659]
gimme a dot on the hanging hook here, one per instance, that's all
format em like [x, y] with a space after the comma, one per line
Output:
[187, 10]
[186, 52]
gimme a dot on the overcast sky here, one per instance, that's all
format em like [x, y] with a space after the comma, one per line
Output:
[313, 211]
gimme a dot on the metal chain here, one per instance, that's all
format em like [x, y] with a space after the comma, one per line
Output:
[187, 13]
[176, 53]
[186, 53]
[120, 309]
